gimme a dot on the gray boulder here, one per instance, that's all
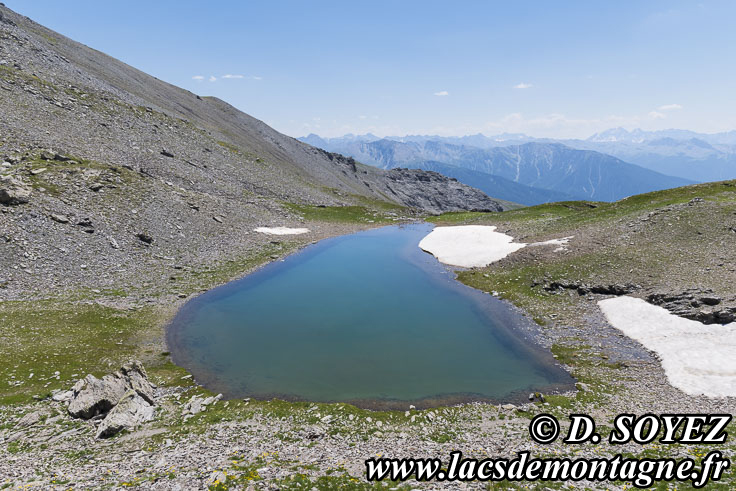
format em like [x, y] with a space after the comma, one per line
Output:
[194, 406]
[131, 411]
[29, 419]
[13, 191]
[62, 396]
[137, 379]
[93, 396]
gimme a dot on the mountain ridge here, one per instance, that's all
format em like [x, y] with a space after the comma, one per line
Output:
[565, 172]
[697, 157]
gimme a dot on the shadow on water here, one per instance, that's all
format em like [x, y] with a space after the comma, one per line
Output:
[367, 319]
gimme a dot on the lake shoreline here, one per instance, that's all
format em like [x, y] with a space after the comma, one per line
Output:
[515, 321]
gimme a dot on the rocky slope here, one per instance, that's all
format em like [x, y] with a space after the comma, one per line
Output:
[108, 172]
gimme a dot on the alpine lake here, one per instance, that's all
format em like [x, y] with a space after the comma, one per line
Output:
[368, 319]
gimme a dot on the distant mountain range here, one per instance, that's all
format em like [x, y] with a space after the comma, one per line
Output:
[695, 156]
[527, 173]
[698, 157]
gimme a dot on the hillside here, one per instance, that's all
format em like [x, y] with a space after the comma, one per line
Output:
[110, 155]
[671, 241]
[552, 167]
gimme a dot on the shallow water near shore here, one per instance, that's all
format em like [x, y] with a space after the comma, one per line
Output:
[367, 319]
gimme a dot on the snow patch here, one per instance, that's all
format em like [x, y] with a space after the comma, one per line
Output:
[281, 230]
[562, 243]
[697, 358]
[469, 246]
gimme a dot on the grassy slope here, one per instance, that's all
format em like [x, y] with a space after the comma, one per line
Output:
[657, 240]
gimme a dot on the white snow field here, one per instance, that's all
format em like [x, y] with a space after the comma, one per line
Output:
[697, 358]
[471, 246]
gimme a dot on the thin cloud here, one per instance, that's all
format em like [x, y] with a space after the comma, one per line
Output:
[212, 78]
[670, 107]
[523, 86]
[198, 78]
[656, 115]
[442, 93]
[248, 77]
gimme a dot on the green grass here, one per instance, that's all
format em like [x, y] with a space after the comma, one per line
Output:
[566, 215]
[40, 338]
[17, 447]
[229, 146]
[377, 204]
[209, 276]
[240, 474]
[347, 214]
[75, 336]
[460, 217]
[50, 181]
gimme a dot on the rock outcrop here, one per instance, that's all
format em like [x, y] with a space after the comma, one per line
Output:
[125, 399]
[92, 396]
[131, 411]
[435, 193]
[584, 289]
[697, 305]
[13, 191]
[29, 419]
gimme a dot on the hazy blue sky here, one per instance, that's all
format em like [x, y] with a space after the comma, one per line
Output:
[554, 69]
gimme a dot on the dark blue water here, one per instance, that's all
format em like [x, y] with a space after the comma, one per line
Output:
[367, 318]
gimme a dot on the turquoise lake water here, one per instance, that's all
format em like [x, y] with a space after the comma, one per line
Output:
[366, 318]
